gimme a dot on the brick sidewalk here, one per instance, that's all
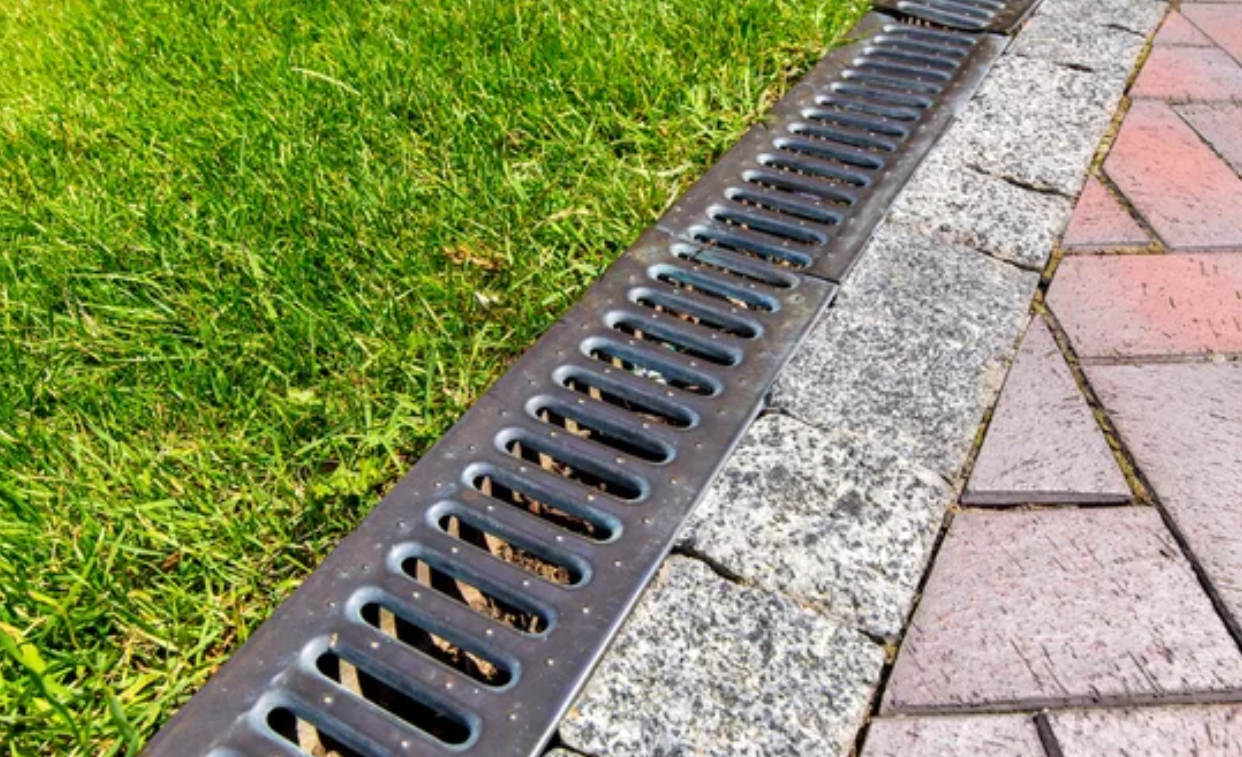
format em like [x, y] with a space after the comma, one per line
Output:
[1087, 599]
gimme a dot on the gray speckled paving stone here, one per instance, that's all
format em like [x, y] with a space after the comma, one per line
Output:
[1199, 731]
[1062, 607]
[1138, 16]
[1043, 445]
[1183, 424]
[829, 517]
[914, 350]
[1104, 37]
[708, 668]
[949, 199]
[973, 735]
[1034, 122]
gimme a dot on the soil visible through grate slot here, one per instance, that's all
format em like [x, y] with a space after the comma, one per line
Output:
[466, 593]
[412, 634]
[308, 737]
[646, 408]
[422, 716]
[661, 336]
[580, 472]
[619, 358]
[490, 487]
[692, 283]
[509, 552]
[572, 420]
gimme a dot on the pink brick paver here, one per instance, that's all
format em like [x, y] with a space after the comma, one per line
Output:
[1221, 23]
[1189, 73]
[1149, 306]
[1178, 32]
[1191, 197]
[1183, 424]
[1220, 125]
[1058, 607]
[1116, 630]
[975, 735]
[1099, 222]
[1199, 731]
[1043, 445]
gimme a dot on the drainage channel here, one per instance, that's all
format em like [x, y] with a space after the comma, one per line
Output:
[468, 609]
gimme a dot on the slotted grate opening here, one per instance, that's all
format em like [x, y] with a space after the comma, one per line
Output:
[435, 722]
[690, 281]
[775, 227]
[873, 93]
[609, 392]
[668, 337]
[687, 310]
[821, 148]
[867, 105]
[862, 140]
[582, 424]
[793, 206]
[402, 627]
[911, 58]
[732, 264]
[309, 738]
[967, 15]
[846, 119]
[906, 70]
[789, 179]
[449, 582]
[906, 86]
[577, 468]
[770, 253]
[926, 41]
[569, 515]
[803, 165]
[505, 548]
[653, 369]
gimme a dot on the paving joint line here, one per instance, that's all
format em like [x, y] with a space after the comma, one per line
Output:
[1204, 141]
[1139, 488]
[1134, 474]
[894, 647]
[1077, 702]
[1047, 736]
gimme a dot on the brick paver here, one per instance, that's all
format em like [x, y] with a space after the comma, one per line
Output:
[975, 735]
[1189, 73]
[1179, 32]
[1043, 444]
[1099, 222]
[1150, 306]
[1221, 23]
[1220, 125]
[1134, 613]
[1183, 423]
[1191, 197]
[1201, 731]
[1057, 607]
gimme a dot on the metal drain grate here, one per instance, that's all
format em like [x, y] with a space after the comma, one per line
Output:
[1001, 16]
[465, 613]
[809, 186]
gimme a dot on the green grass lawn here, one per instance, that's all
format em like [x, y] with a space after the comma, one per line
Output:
[255, 257]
